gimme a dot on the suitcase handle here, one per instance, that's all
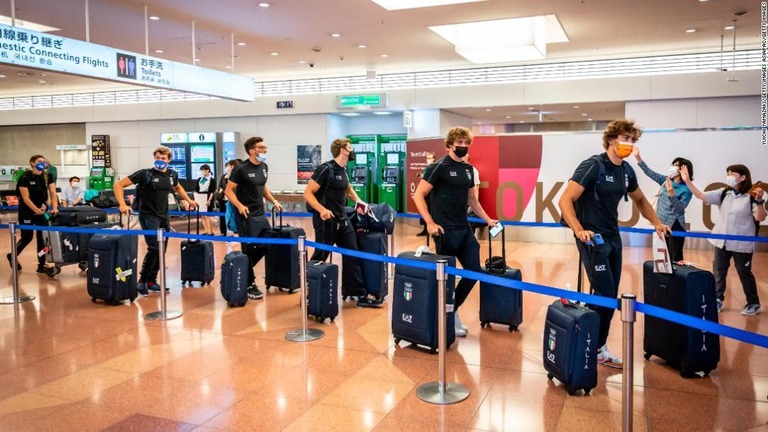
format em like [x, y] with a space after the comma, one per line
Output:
[273, 218]
[189, 220]
[503, 244]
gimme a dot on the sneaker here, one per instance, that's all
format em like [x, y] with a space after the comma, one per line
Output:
[751, 309]
[10, 262]
[254, 293]
[605, 357]
[460, 332]
[458, 322]
[154, 287]
[141, 287]
[368, 302]
[42, 269]
[53, 271]
[720, 306]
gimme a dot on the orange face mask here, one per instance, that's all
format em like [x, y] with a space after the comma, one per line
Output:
[623, 149]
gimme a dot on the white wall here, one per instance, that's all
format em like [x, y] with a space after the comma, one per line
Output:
[695, 113]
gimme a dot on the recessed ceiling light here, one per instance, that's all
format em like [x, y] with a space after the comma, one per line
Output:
[531, 108]
[362, 46]
[159, 51]
[2, 76]
[576, 107]
[264, 5]
[691, 31]
[241, 44]
[384, 55]
[488, 110]
[412, 4]
[729, 27]
[302, 61]
[350, 114]
[335, 34]
[227, 67]
[703, 1]
[522, 121]
[583, 114]
[382, 113]
[479, 123]
[589, 119]
[42, 81]
[274, 53]
[154, 18]
[509, 117]
[197, 60]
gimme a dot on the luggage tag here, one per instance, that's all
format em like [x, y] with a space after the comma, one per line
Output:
[662, 262]
[565, 301]
[421, 250]
[43, 251]
[121, 275]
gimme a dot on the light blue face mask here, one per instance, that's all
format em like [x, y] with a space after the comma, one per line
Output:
[40, 166]
[262, 158]
[161, 165]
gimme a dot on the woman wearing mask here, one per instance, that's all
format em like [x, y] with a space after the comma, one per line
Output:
[35, 187]
[741, 209]
[206, 185]
[221, 197]
[674, 197]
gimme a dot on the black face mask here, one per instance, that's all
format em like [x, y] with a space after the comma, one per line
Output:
[351, 155]
[460, 151]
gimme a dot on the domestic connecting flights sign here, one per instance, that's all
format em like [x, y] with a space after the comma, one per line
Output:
[37, 50]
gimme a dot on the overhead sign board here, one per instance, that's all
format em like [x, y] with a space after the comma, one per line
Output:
[378, 100]
[172, 138]
[28, 48]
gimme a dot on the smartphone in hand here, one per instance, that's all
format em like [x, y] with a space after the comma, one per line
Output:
[494, 231]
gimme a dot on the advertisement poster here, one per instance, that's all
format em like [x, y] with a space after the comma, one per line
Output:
[100, 152]
[308, 158]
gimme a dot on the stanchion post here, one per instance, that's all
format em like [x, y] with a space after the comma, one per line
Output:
[303, 334]
[440, 392]
[390, 251]
[163, 314]
[628, 316]
[15, 272]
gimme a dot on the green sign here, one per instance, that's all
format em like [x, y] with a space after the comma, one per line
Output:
[370, 100]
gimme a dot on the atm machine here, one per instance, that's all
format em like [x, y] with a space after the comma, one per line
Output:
[360, 174]
[390, 189]
[101, 178]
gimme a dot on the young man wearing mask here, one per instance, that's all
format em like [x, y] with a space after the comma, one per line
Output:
[246, 190]
[153, 185]
[590, 206]
[74, 195]
[449, 182]
[327, 194]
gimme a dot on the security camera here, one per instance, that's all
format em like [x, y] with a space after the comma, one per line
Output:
[311, 65]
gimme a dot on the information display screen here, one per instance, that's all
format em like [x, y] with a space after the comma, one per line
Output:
[178, 153]
[202, 153]
[361, 159]
[181, 169]
[393, 159]
[97, 172]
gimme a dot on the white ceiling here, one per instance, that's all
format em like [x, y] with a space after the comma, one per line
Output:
[301, 30]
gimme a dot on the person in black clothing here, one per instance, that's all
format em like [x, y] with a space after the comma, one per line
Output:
[204, 189]
[430, 161]
[589, 206]
[35, 187]
[153, 185]
[246, 190]
[327, 194]
[449, 183]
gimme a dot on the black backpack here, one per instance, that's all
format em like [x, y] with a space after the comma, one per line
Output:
[139, 186]
[320, 194]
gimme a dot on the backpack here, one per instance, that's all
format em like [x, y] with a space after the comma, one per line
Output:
[752, 200]
[321, 192]
[600, 177]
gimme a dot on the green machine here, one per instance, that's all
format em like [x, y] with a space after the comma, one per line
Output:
[391, 186]
[101, 178]
[360, 176]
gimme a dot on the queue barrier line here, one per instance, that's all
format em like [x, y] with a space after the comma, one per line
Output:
[668, 315]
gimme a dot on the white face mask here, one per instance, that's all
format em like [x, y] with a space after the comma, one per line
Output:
[731, 181]
[75, 184]
[673, 171]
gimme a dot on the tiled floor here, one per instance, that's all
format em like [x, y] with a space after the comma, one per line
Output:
[67, 364]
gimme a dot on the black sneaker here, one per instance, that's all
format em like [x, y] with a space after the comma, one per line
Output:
[53, 271]
[10, 262]
[367, 302]
[141, 287]
[152, 286]
[42, 269]
[254, 293]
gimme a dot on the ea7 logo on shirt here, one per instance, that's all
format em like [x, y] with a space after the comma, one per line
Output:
[252, 175]
[469, 175]
[453, 173]
[155, 180]
[339, 177]
[609, 178]
[600, 267]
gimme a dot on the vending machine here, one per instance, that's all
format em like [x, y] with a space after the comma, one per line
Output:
[390, 189]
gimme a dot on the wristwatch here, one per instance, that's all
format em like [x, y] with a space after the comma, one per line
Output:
[760, 201]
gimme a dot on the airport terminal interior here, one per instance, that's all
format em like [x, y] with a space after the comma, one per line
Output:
[69, 364]
[96, 85]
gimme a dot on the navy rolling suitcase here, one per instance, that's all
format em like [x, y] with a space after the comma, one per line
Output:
[281, 264]
[414, 302]
[234, 279]
[690, 291]
[374, 272]
[500, 304]
[197, 262]
[322, 290]
[112, 269]
[571, 331]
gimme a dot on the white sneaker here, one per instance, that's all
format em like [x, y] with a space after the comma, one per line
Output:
[458, 321]
[458, 327]
[751, 309]
[605, 357]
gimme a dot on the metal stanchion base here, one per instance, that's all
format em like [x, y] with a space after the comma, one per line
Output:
[299, 335]
[430, 392]
[169, 315]
[21, 299]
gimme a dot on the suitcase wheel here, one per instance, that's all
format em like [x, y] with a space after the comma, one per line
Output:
[333, 319]
[83, 265]
[647, 356]
[483, 324]
[292, 290]
[571, 390]
[706, 372]
[586, 391]
[93, 299]
[550, 376]
[513, 328]
[433, 350]
[397, 340]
